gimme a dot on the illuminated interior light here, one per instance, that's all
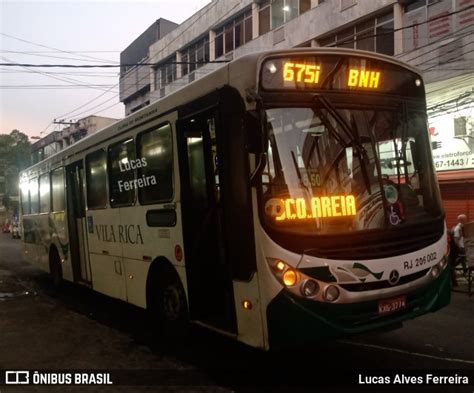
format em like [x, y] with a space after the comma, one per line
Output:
[290, 277]
[247, 304]
[417, 82]
[286, 8]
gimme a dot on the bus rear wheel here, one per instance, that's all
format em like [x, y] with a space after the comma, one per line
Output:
[169, 309]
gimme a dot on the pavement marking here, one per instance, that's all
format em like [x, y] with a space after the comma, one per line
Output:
[407, 352]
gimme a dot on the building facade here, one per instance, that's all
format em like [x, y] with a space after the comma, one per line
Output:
[57, 140]
[134, 84]
[436, 36]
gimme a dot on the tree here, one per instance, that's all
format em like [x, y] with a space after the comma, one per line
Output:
[15, 152]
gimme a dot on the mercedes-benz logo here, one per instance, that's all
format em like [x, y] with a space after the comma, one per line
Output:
[393, 277]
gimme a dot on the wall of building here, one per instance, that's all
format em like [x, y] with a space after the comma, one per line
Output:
[135, 80]
[322, 18]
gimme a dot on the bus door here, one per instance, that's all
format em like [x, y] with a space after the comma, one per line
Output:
[77, 222]
[208, 276]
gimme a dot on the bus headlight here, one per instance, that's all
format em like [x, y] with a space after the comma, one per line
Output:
[435, 271]
[309, 288]
[443, 262]
[290, 278]
[284, 272]
[331, 293]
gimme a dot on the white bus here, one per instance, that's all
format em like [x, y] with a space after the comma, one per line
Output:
[286, 197]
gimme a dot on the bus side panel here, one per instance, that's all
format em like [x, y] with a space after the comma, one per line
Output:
[105, 252]
[37, 239]
[144, 244]
[60, 240]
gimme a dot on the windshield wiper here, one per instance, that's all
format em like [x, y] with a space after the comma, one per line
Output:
[353, 135]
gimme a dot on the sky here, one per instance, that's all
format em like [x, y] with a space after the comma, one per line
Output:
[70, 32]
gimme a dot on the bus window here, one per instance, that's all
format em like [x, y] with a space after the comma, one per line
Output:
[155, 152]
[57, 190]
[122, 166]
[45, 193]
[197, 170]
[34, 206]
[25, 198]
[96, 178]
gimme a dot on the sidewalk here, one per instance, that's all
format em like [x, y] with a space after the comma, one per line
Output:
[462, 283]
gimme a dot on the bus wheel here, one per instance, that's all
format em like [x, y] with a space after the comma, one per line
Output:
[55, 269]
[169, 309]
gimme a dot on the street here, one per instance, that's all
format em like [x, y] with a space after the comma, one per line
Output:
[80, 329]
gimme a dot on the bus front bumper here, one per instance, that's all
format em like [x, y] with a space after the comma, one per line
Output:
[293, 321]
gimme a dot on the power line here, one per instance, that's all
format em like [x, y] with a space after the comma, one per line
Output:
[458, 33]
[60, 57]
[63, 79]
[448, 52]
[105, 65]
[50, 47]
[169, 44]
[55, 51]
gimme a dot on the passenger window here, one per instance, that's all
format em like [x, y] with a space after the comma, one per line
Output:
[45, 193]
[155, 151]
[122, 165]
[25, 198]
[196, 167]
[57, 190]
[34, 205]
[96, 178]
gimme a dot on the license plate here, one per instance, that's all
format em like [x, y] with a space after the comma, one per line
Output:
[390, 306]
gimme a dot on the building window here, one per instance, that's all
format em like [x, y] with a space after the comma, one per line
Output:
[305, 5]
[415, 5]
[264, 18]
[165, 73]
[121, 166]
[96, 178]
[196, 55]
[57, 190]
[374, 35]
[156, 149]
[44, 193]
[234, 34]
[275, 13]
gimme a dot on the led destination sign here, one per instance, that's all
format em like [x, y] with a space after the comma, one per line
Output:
[330, 72]
[318, 207]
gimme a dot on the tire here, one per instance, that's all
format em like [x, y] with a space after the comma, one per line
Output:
[169, 309]
[55, 270]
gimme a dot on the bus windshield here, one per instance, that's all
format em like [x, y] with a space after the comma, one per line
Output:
[334, 170]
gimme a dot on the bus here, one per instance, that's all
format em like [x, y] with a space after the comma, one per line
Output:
[286, 197]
